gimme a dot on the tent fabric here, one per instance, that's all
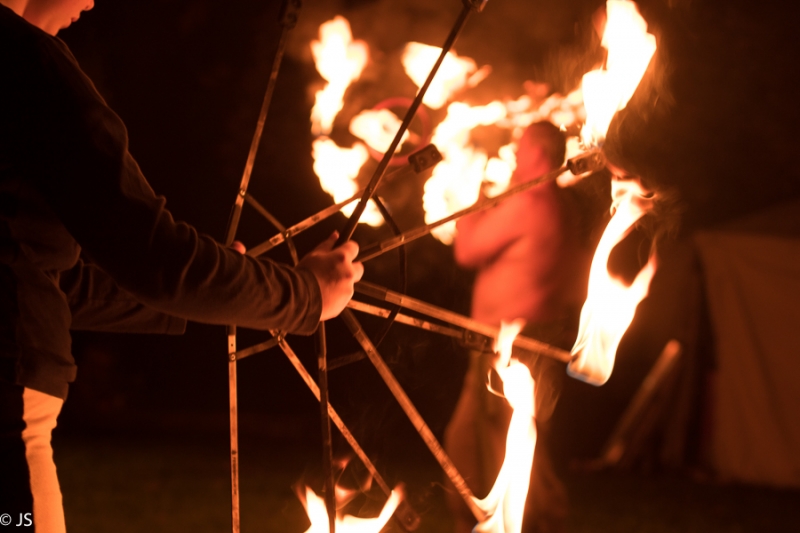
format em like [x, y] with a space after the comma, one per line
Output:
[752, 285]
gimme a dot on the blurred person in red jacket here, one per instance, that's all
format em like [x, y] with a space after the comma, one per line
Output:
[528, 265]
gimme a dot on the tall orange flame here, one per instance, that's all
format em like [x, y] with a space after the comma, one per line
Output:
[418, 60]
[610, 304]
[505, 504]
[608, 90]
[339, 60]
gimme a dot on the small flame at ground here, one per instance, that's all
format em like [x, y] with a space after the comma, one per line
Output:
[610, 304]
[505, 503]
[315, 508]
[608, 90]
[339, 60]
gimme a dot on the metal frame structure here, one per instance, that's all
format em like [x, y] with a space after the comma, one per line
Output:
[434, 319]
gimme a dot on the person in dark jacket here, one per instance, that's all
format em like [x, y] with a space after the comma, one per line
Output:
[85, 243]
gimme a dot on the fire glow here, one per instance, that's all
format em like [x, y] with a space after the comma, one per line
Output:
[339, 60]
[453, 75]
[505, 503]
[377, 129]
[608, 90]
[610, 304]
[318, 515]
[457, 181]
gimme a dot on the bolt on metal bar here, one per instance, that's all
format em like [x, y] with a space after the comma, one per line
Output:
[233, 407]
[275, 222]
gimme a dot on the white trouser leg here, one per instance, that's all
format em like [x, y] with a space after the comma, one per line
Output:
[40, 414]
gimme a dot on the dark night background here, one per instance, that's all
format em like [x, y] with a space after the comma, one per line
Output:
[187, 77]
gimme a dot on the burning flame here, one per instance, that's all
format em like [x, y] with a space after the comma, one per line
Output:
[339, 60]
[377, 129]
[337, 169]
[608, 90]
[610, 304]
[456, 181]
[315, 508]
[418, 60]
[505, 503]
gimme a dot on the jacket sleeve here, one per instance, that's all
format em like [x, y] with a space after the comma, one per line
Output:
[74, 149]
[97, 303]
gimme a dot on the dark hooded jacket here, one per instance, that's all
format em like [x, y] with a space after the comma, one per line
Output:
[85, 243]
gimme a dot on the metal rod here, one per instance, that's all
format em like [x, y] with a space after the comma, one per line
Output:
[584, 163]
[413, 415]
[275, 222]
[325, 420]
[335, 418]
[311, 221]
[525, 343]
[233, 405]
[468, 334]
[258, 348]
[405, 513]
[617, 443]
[375, 180]
[405, 319]
[414, 234]
[288, 21]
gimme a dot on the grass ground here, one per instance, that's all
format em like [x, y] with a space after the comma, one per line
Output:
[128, 484]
